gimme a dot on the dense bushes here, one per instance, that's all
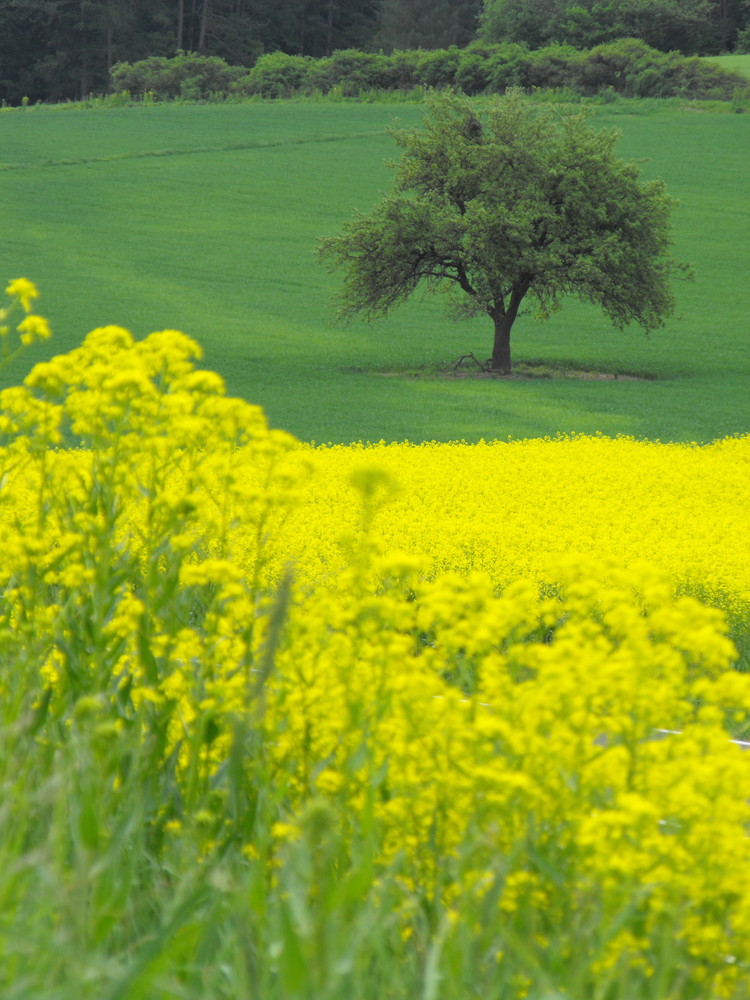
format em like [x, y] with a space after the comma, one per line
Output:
[188, 76]
[627, 67]
[275, 75]
[351, 70]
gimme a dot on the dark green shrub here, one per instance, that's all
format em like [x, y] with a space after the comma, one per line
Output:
[659, 74]
[634, 69]
[474, 73]
[349, 69]
[615, 64]
[553, 67]
[187, 75]
[438, 68]
[473, 76]
[648, 83]
[695, 78]
[275, 75]
[132, 77]
[402, 69]
[508, 67]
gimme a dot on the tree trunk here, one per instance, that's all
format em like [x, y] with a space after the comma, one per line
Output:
[190, 46]
[329, 28]
[504, 319]
[501, 347]
[180, 25]
[110, 36]
[205, 16]
[302, 26]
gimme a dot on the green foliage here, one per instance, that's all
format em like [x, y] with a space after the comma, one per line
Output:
[425, 24]
[633, 69]
[628, 66]
[52, 50]
[439, 67]
[507, 67]
[351, 70]
[274, 75]
[186, 76]
[555, 67]
[523, 203]
[690, 26]
[474, 73]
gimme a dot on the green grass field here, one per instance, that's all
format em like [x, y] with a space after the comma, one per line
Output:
[204, 218]
[735, 63]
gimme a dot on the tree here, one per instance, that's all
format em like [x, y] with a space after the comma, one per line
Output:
[426, 24]
[63, 49]
[702, 26]
[524, 204]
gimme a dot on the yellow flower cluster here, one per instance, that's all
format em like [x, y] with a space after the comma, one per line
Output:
[469, 650]
[527, 726]
[32, 327]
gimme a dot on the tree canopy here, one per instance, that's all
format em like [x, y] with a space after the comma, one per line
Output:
[521, 203]
[692, 26]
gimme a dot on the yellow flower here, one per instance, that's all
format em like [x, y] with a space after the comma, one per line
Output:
[284, 831]
[23, 290]
[34, 328]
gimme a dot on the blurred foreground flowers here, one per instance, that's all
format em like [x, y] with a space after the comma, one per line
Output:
[423, 680]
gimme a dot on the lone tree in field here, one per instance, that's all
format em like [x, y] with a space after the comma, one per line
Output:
[522, 203]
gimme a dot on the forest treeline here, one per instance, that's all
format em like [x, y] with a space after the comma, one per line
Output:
[53, 50]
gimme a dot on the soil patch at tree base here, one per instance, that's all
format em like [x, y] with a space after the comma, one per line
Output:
[519, 374]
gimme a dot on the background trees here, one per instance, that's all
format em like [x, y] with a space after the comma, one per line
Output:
[63, 49]
[691, 26]
[427, 24]
[521, 204]
[56, 49]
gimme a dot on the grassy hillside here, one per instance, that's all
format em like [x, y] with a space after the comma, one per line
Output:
[735, 63]
[204, 218]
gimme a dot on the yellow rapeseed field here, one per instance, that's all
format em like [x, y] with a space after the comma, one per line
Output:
[511, 509]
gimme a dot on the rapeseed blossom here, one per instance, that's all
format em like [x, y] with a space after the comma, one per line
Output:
[32, 327]
[23, 290]
[470, 652]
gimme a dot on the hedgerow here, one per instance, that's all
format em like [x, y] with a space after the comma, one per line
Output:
[627, 67]
[187, 76]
